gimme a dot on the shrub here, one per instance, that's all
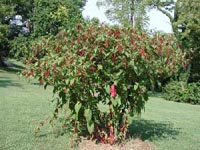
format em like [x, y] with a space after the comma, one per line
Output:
[100, 75]
[195, 69]
[180, 91]
[22, 46]
[4, 40]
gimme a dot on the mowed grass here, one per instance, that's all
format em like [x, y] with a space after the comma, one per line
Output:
[23, 105]
[169, 125]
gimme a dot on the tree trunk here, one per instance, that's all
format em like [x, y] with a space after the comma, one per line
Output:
[132, 19]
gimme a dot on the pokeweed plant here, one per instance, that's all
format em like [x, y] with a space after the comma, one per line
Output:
[100, 75]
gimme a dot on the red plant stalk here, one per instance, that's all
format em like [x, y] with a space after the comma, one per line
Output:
[124, 126]
[75, 129]
[112, 136]
[113, 93]
[102, 139]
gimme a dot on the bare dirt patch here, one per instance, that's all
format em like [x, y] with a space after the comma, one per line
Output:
[136, 144]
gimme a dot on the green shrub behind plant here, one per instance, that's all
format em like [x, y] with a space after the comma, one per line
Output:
[180, 91]
[22, 47]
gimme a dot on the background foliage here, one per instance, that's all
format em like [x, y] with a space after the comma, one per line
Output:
[185, 23]
[180, 91]
[127, 12]
[50, 16]
[45, 17]
[5, 10]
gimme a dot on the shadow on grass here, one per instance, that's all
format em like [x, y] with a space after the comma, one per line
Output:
[142, 129]
[55, 132]
[149, 130]
[11, 67]
[7, 82]
[155, 94]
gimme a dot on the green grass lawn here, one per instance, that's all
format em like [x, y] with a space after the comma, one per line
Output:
[23, 105]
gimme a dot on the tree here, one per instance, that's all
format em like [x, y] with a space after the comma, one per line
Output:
[8, 10]
[185, 23]
[42, 17]
[5, 11]
[185, 20]
[49, 16]
[127, 12]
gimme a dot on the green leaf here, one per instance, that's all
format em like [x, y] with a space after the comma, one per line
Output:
[107, 89]
[127, 54]
[136, 86]
[145, 96]
[132, 63]
[90, 127]
[72, 81]
[73, 117]
[88, 115]
[118, 99]
[95, 50]
[100, 67]
[103, 107]
[119, 74]
[77, 107]
[68, 112]
[67, 81]
[114, 102]
[159, 84]
[116, 82]
[137, 71]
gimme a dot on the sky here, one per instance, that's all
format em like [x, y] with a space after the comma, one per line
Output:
[157, 20]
